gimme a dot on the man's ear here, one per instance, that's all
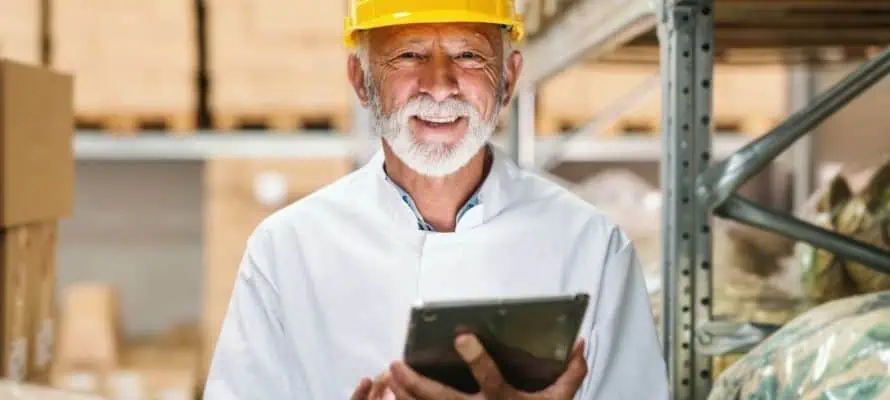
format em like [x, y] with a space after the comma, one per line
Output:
[514, 67]
[357, 78]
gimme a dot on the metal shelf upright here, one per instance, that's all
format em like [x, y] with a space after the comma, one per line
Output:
[694, 187]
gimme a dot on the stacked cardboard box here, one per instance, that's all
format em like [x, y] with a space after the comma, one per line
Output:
[239, 193]
[135, 62]
[36, 189]
[88, 349]
[279, 63]
[579, 93]
[93, 358]
[20, 30]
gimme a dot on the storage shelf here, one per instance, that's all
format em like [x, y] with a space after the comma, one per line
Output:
[149, 146]
[207, 144]
[583, 29]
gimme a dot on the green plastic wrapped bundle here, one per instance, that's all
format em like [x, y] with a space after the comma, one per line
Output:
[837, 351]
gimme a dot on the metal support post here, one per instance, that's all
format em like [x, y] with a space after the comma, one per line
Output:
[513, 130]
[801, 90]
[743, 210]
[717, 186]
[686, 34]
[525, 135]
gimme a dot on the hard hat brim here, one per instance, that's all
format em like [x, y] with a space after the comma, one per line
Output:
[431, 17]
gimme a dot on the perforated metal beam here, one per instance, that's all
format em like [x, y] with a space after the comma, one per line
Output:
[686, 33]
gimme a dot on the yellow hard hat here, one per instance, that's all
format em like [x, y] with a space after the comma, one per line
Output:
[369, 14]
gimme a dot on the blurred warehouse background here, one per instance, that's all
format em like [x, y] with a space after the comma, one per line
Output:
[197, 118]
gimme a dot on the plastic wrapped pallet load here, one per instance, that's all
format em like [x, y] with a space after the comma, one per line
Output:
[752, 281]
[18, 391]
[838, 350]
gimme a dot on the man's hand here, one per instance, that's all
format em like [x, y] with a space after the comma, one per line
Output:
[378, 389]
[408, 385]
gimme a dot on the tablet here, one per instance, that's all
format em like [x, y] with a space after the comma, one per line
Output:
[530, 339]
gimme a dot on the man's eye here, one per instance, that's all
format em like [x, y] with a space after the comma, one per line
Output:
[410, 55]
[467, 55]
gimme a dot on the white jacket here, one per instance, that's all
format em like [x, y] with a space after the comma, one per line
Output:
[324, 290]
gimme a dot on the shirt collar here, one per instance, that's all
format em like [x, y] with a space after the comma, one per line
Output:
[473, 201]
[492, 197]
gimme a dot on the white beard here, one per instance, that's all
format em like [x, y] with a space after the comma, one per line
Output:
[431, 159]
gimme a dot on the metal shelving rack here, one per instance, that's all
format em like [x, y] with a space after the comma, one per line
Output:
[148, 146]
[695, 185]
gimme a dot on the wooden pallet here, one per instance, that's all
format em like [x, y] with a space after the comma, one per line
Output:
[282, 121]
[648, 125]
[129, 124]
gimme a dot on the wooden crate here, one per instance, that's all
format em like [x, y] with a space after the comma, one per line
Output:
[20, 31]
[232, 212]
[747, 99]
[279, 64]
[135, 62]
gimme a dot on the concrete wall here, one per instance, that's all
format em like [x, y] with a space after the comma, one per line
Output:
[138, 225]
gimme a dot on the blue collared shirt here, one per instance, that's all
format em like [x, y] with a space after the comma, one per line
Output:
[421, 223]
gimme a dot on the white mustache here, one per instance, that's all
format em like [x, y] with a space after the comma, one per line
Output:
[425, 107]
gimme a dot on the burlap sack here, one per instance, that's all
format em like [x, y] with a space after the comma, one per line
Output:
[751, 283]
[835, 351]
[867, 218]
[864, 215]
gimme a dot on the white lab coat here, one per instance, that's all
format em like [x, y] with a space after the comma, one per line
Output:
[323, 293]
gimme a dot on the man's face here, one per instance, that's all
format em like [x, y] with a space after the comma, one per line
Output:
[435, 90]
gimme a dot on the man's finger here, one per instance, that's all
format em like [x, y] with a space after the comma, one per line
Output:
[486, 372]
[406, 381]
[363, 390]
[402, 393]
[569, 382]
[380, 385]
[578, 348]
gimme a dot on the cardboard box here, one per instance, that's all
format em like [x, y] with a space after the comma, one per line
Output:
[239, 193]
[19, 391]
[20, 30]
[36, 149]
[42, 277]
[133, 60]
[14, 321]
[28, 257]
[88, 346]
[155, 371]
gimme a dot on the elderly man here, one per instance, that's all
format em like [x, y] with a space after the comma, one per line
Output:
[321, 303]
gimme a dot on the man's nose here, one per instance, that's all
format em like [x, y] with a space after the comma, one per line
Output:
[439, 79]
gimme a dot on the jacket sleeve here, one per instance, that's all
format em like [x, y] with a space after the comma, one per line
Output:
[247, 363]
[623, 352]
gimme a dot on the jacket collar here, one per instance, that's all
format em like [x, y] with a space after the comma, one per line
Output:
[494, 195]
